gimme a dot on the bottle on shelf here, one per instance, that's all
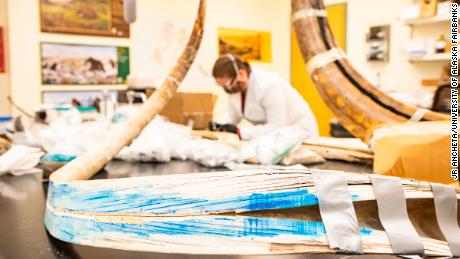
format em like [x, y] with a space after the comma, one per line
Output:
[441, 44]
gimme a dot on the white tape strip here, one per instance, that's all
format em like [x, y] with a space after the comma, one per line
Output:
[393, 215]
[418, 114]
[337, 211]
[325, 58]
[445, 204]
[305, 13]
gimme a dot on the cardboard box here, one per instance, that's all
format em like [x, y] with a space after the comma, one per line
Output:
[417, 150]
[194, 109]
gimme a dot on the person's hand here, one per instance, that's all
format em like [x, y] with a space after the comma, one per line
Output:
[214, 126]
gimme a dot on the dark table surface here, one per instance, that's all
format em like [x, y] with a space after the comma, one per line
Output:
[22, 207]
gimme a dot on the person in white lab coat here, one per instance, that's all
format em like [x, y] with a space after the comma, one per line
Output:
[261, 97]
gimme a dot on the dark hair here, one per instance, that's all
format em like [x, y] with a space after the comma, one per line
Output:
[224, 66]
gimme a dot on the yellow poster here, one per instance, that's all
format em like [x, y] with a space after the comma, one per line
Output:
[248, 45]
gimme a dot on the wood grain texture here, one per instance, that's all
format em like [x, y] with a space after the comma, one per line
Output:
[354, 101]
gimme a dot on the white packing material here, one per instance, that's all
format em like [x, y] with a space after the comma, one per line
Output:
[272, 148]
[210, 153]
[161, 141]
[302, 155]
[73, 139]
[20, 160]
[66, 134]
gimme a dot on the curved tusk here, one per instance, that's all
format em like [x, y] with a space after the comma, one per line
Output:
[89, 163]
[353, 100]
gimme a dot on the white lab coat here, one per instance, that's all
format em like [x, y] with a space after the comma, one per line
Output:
[271, 103]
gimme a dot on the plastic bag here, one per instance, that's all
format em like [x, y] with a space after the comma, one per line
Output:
[162, 141]
[20, 160]
[272, 148]
[156, 142]
[302, 155]
[211, 153]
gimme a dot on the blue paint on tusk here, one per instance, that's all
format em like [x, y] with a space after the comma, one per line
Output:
[141, 198]
[77, 229]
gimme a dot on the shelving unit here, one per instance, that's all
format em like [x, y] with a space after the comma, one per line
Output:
[430, 57]
[424, 33]
[427, 21]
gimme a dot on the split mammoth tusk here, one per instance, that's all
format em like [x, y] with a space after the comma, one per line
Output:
[354, 101]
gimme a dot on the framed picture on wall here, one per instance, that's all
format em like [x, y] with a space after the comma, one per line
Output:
[378, 40]
[2, 52]
[88, 17]
[248, 45]
[83, 64]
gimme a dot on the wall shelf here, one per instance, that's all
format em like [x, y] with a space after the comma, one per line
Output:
[76, 88]
[426, 21]
[430, 57]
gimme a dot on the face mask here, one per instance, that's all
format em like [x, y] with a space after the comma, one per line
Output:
[234, 88]
[234, 85]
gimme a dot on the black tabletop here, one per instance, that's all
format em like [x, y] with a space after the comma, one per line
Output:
[22, 207]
